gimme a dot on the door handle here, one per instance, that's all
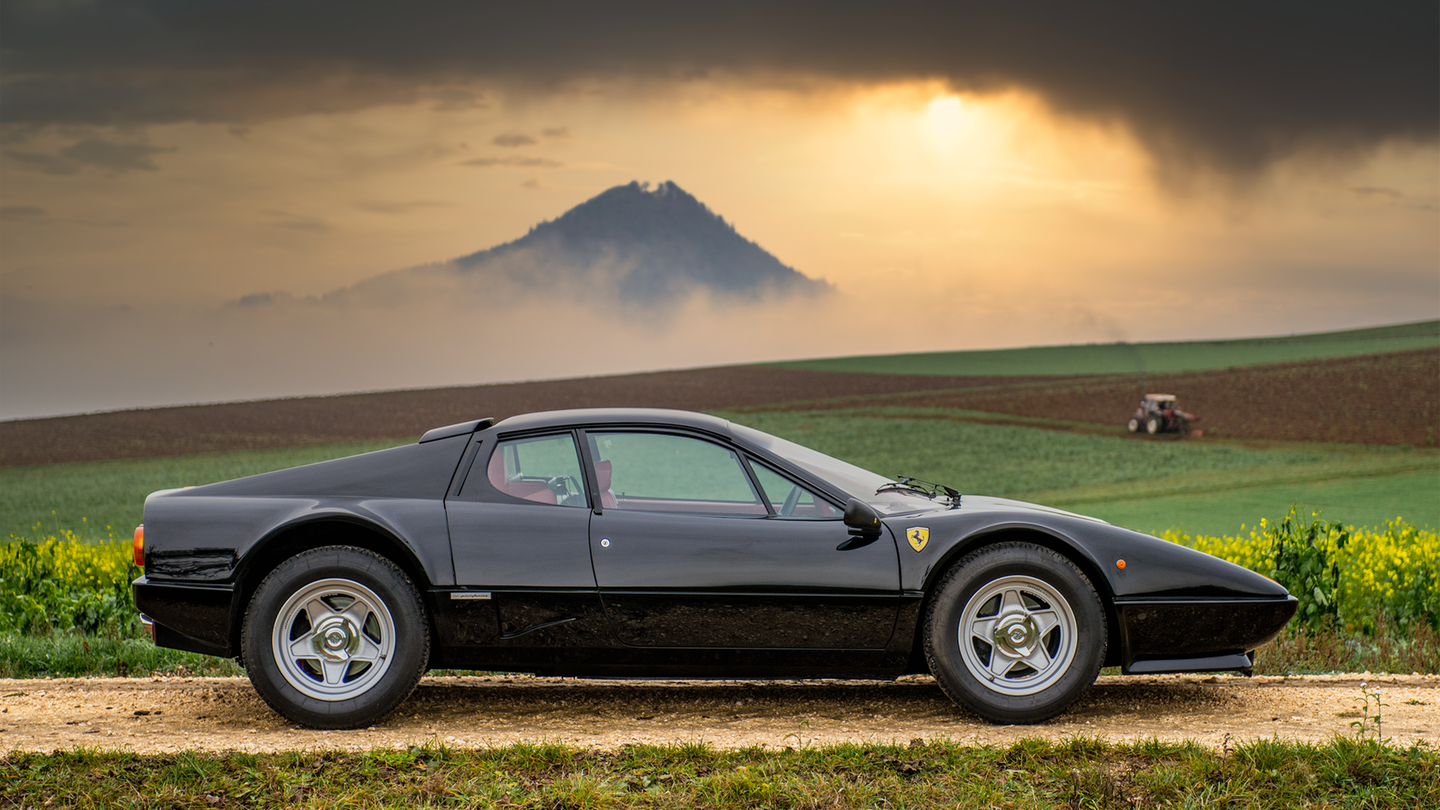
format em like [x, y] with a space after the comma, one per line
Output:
[856, 542]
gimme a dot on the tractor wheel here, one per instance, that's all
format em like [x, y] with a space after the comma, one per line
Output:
[1133, 425]
[1153, 425]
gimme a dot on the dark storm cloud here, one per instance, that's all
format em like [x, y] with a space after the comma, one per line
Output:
[114, 157]
[1223, 85]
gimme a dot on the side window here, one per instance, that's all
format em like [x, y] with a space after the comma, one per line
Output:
[544, 469]
[789, 499]
[660, 472]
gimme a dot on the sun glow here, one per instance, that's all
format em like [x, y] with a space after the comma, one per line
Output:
[945, 122]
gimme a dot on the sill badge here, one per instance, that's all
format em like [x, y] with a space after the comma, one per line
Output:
[918, 537]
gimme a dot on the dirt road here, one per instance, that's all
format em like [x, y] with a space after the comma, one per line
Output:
[171, 714]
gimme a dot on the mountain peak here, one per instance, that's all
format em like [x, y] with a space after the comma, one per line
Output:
[643, 245]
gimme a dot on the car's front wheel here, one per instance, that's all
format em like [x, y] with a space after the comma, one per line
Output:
[335, 637]
[1015, 633]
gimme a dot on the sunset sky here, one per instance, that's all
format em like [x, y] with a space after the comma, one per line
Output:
[965, 175]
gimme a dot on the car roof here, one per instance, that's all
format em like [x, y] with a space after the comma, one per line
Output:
[581, 417]
[1159, 396]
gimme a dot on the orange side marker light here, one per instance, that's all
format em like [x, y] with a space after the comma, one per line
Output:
[140, 546]
[1120, 564]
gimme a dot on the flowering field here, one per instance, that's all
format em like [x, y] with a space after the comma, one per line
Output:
[1358, 575]
[61, 582]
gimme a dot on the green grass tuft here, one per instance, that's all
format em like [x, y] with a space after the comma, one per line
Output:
[1080, 772]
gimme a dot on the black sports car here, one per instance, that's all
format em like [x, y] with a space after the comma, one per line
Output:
[664, 543]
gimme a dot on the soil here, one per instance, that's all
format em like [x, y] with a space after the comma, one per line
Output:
[222, 714]
[1389, 399]
[403, 415]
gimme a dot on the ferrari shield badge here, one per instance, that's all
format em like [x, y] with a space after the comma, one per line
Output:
[918, 537]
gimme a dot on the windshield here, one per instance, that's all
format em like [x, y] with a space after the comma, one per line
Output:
[856, 481]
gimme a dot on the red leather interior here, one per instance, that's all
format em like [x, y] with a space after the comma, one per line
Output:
[602, 479]
[529, 490]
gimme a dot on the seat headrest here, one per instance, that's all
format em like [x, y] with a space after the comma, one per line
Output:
[602, 474]
[496, 470]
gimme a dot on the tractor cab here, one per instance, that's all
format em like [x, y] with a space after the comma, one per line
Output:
[1154, 403]
[1158, 414]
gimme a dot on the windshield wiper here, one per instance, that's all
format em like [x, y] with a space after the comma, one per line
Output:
[930, 490]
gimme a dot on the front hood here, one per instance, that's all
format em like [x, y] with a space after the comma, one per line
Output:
[976, 504]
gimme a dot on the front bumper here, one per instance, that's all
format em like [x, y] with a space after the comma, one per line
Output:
[1198, 635]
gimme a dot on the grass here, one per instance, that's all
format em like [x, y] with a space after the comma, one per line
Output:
[1359, 501]
[71, 655]
[1213, 486]
[1031, 773]
[1126, 358]
[1328, 649]
[97, 499]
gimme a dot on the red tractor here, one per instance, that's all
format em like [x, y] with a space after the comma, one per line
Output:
[1157, 414]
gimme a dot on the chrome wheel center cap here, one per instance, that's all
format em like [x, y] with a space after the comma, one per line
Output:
[336, 638]
[1016, 635]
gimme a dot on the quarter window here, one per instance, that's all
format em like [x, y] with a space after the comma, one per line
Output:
[661, 472]
[544, 469]
[790, 500]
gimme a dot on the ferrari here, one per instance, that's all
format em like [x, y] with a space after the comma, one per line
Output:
[623, 543]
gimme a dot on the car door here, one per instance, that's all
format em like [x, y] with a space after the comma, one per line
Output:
[689, 550]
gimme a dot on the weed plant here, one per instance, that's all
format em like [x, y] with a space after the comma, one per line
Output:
[1031, 773]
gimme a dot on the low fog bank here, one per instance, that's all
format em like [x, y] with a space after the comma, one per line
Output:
[434, 329]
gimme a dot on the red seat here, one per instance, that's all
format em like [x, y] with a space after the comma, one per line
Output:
[602, 480]
[528, 490]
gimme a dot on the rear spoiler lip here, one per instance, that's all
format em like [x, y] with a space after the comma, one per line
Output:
[457, 429]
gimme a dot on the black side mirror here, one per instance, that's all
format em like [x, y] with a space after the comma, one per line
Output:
[862, 519]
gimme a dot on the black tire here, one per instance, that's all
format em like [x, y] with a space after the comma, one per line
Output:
[335, 638]
[1153, 425]
[1047, 586]
[1133, 425]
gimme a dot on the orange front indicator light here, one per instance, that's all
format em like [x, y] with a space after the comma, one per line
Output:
[1118, 563]
[140, 546]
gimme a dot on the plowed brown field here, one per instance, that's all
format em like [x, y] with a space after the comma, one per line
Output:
[1391, 398]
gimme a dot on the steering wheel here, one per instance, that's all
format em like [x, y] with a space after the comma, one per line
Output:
[565, 486]
[787, 509]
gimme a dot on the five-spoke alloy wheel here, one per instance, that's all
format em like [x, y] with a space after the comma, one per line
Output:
[335, 637]
[1016, 633]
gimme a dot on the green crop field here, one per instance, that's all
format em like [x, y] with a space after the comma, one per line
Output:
[1126, 358]
[1196, 486]
[99, 498]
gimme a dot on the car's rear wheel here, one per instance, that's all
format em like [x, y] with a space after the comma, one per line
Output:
[335, 637]
[1153, 425]
[1015, 633]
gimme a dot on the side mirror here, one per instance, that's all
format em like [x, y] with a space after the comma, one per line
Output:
[862, 519]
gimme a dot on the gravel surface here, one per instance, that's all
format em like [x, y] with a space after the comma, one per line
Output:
[214, 714]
